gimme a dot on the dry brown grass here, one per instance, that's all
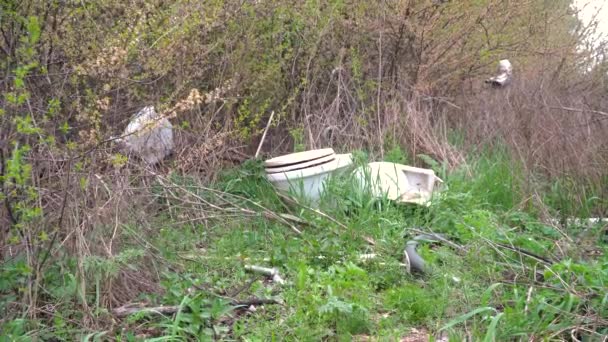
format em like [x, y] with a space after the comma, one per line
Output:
[550, 127]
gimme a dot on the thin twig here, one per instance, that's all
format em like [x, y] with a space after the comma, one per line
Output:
[528, 298]
[526, 253]
[378, 93]
[265, 212]
[127, 310]
[599, 112]
[243, 288]
[7, 203]
[439, 237]
[61, 216]
[316, 211]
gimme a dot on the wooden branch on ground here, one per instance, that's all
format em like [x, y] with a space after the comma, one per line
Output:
[129, 309]
[125, 311]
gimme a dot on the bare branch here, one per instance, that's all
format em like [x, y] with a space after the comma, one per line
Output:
[128, 310]
[599, 112]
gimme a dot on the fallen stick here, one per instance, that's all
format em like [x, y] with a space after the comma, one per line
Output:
[598, 112]
[129, 309]
[526, 253]
[161, 310]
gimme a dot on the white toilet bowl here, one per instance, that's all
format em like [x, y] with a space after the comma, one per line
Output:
[303, 176]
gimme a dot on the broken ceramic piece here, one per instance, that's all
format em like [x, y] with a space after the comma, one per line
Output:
[398, 182]
[505, 72]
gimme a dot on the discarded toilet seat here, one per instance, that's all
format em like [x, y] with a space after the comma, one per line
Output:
[298, 158]
[303, 165]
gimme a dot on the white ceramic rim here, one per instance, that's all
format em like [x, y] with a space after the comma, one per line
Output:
[338, 163]
[312, 163]
[298, 158]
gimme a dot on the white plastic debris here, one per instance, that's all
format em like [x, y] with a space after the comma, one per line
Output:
[505, 72]
[575, 221]
[149, 135]
[269, 272]
[401, 183]
[366, 257]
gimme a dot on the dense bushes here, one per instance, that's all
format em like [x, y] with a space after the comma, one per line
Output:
[384, 77]
[363, 68]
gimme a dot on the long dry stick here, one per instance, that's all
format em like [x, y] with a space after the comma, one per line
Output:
[598, 112]
[525, 252]
[257, 152]
[378, 93]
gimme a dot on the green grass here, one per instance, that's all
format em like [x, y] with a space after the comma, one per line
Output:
[331, 294]
[487, 292]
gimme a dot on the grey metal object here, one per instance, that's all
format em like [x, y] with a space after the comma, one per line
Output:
[269, 272]
[413, 260]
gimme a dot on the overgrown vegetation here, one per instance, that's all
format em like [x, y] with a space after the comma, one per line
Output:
[86, 229]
